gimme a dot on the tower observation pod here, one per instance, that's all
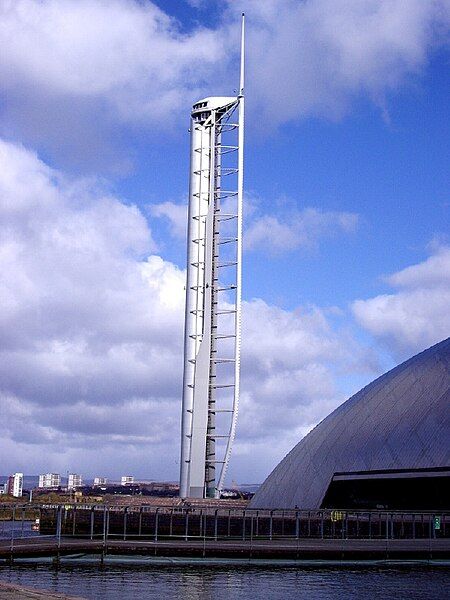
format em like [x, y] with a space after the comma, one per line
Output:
[212, 337]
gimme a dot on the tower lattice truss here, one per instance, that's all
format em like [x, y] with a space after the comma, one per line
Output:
[213, 296]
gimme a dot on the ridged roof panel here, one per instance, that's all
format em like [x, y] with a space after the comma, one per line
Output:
[399, 421]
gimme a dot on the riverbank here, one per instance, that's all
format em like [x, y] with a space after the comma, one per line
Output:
[9, 591]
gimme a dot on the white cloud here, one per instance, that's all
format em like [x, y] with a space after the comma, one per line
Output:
[432, 273]
[76, 71]
[91, 329]
[294, 371]
[80, 73]
[176, 215]
[283, 232]
[129, 53]
[296, 229]
[417, 315]
[317, 56]
[91, 339]
[91, 322]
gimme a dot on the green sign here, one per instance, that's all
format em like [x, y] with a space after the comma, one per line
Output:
[437, 522]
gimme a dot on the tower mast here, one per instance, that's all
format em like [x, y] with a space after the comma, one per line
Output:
[212, 339]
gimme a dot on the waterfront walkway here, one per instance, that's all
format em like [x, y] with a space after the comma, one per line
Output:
[284, 549]
[217, 534]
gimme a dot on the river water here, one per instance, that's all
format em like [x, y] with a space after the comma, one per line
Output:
[114, 582]
[224, 582]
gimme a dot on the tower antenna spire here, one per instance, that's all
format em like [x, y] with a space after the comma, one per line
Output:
[242, 69]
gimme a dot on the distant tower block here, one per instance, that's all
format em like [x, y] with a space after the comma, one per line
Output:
[213, 292]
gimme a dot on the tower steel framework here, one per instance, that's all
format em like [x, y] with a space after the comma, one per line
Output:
[212, 339]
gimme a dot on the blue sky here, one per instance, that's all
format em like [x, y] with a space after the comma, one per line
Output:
[390, 169]
[347, 258]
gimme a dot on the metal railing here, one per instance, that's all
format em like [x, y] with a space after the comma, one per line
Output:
[107, 523]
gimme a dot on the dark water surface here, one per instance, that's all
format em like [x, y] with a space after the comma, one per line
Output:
[112, 582]
[17, 530]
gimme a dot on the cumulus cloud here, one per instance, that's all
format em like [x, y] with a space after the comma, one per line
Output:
[274, 234]
[315, 57]
[79, 70]
[415, 316]
[91, 326]
[129, 53]
[296, 369]
[92, 319]
[297, 229]
[91, 332]
[176, 216]
[76, 72]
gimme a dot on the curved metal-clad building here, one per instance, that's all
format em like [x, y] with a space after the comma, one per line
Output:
[387, 446]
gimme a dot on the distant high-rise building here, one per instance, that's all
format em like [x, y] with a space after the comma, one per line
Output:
[127, 480]
[15, 483]
[100, 481]
[49, 480]
[74, 481]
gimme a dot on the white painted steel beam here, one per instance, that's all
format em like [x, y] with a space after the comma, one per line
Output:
[207, 346]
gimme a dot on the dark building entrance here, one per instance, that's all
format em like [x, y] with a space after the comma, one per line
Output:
[422, 489]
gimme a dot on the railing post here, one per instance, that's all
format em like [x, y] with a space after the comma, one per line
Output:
[243, 525]
[186, 530]
[204, 531]
[251, 535]
[215, 525]
[59, 526]
[271, 525]
[140, 522]
[297, 525]
[104, 527]
[156, 525]
[107, 522]
[125, 522]
[92, 523]
[74, 509]
[12, 531]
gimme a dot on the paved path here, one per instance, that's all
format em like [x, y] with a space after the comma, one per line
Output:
[16, 592]
[310, 549]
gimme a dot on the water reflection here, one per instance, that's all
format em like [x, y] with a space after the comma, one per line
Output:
[201, 583]
[17, 529]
